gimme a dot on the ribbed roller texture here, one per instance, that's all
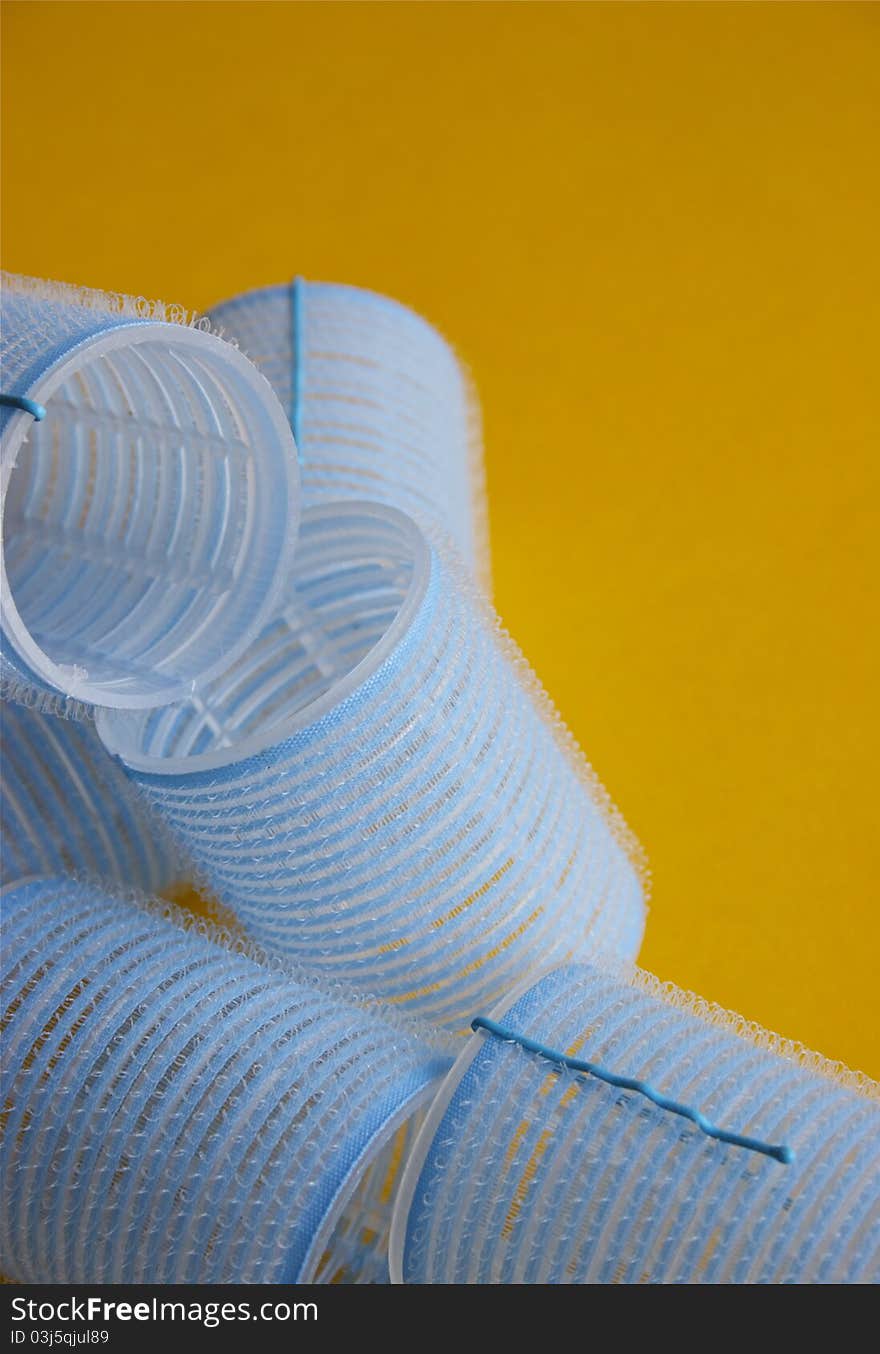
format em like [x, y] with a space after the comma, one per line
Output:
[149, 519]
[379, 787]
[66, 807]
[526, 1173]
[174, 1112]
[380, 405]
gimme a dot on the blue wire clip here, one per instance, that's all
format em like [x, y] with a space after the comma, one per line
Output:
[783, 1154]
[36, 411]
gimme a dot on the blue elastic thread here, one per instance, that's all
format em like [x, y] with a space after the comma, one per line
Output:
[783, 1154]
[296, 325]
[36, 411]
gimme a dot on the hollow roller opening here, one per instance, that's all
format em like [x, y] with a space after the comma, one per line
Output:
[149, 518]
[357, 1248]
[361, 570]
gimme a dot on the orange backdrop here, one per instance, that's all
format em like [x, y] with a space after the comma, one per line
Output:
[652, 230]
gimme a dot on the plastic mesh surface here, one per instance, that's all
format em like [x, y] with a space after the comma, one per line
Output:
[66, 807]
[380, 789]
[529, 1174]
[380, 405]
[149, 519]
[173, 1111]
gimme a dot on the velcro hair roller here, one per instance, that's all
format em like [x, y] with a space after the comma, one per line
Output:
[149, 497]
[380, 406]
[66, 807]
[379, 788]
[175, 1111]
[695, 1149]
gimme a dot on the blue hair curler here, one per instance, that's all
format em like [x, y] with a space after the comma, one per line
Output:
[177, 1112]
[730, 1157]
[379, 788]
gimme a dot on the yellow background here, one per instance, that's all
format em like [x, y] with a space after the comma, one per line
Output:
[653, 233]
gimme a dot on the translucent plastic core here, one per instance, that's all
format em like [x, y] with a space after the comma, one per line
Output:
[148, 520]
[360, 572]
